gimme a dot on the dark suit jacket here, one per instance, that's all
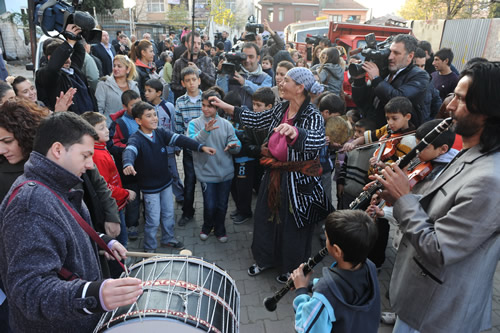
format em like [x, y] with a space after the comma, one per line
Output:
[100, 52]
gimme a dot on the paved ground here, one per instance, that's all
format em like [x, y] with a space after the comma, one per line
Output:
[235, 257]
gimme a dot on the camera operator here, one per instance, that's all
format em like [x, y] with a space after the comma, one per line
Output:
[196, 58]
[63, 71]
[227, 42]
[404, 79]
[273, 45]
[249, 78]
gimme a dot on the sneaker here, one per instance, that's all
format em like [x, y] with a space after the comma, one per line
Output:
[234, 213]
[239, 219]
[184, 220]
[222, 239]
[283, 278]
[203, 236]
[388, 318]
[133, 233]
[174, 244]
[255, 270]
[150, 250]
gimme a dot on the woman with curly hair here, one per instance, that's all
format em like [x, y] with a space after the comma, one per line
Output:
[19, 119]
[110, 89]
[330, 70]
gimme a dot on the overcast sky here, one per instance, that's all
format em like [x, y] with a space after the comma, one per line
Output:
[381, 8]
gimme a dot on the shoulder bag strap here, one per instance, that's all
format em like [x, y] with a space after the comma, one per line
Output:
[83, 224]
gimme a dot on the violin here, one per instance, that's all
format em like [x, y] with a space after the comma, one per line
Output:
[417, 171]
[388, 148]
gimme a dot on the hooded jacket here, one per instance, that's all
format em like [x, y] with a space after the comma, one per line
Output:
[342, 301]
[331, 77]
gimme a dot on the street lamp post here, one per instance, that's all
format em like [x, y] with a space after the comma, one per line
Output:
[130, 4]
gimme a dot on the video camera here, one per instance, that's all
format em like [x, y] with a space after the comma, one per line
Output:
[313, 40]
[233, 62]
[252, 28]
[378, 53]
[55, 15]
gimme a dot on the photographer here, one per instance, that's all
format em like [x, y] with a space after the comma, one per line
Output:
[404, 79]
[273, 45]
[63, 71]
[249, 78]
[196, 58]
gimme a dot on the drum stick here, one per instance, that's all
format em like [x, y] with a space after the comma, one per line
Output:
[184, 252]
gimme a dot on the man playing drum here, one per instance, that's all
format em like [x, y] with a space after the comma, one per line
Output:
[48, 264]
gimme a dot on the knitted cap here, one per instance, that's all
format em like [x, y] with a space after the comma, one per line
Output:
[304, 76]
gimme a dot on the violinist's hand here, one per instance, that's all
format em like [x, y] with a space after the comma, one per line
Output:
[395, 184]
[349, 146]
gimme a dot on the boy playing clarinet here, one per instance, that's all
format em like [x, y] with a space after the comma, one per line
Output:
[346, 298]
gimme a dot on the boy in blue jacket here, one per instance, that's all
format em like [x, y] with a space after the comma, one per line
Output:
[346, 298]
[147, 150]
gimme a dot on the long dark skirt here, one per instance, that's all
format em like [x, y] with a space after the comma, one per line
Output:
[278, 242]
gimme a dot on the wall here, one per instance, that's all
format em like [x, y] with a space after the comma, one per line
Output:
[346, 13]
[306, 14]
[13, 40]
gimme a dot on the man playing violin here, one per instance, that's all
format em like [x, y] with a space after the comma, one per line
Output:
[442, 278]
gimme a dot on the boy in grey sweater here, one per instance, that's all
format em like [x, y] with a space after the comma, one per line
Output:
[215, 173]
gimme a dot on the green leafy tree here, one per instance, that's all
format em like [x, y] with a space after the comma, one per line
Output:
[101, 6]
[494, 10]
[177, 16]
[441, 9]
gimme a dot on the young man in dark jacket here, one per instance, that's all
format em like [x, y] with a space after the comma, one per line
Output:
[63, 71]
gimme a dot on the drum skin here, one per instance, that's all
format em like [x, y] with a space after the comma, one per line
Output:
[338, 129]
[181, 294]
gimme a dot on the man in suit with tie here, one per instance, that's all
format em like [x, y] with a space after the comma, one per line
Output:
[443, 274]
[105, 52]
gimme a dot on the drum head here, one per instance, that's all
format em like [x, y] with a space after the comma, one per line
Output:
[153, 325]
[338, 129]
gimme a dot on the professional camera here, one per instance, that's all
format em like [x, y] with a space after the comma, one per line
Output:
[378, 53]
[55, 15]
[252, 28]
[233, 62]
[313, 40]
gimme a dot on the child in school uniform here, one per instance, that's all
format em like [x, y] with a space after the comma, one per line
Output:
[147, 152]
[214, 173]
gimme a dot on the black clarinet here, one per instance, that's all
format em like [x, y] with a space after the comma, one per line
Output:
[362, 201]
[271, 302]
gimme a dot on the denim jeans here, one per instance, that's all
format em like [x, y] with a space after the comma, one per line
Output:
[241, 188]
[132, 211]
[177, 186]
[123, 236]
[189, 183]
[159, 210]
[215, 197]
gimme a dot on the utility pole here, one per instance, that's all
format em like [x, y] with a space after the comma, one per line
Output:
[31, 24]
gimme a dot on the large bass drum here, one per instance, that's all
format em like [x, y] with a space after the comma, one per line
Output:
[181, 294]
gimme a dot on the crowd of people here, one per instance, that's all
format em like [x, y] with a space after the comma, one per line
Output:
[103, 126]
